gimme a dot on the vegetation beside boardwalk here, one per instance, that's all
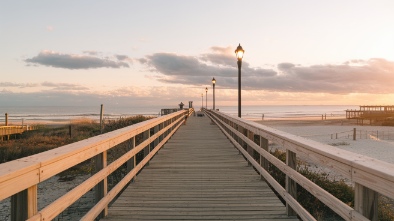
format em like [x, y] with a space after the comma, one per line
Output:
[49, 137]
[337, 188]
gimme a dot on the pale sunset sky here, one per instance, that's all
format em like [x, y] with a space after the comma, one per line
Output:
[143, 53]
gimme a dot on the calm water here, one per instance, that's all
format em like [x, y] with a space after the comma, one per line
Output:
[16, 114]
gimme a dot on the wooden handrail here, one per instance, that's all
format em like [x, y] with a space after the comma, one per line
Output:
[371, 176]
[26, 173]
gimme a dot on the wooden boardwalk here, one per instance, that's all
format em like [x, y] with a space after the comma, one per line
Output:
[198, 175]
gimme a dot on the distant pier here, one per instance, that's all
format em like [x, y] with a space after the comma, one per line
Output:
[373, 112]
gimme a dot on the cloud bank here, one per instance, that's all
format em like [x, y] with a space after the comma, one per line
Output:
[46, 85]
[356, 76]
[88, 60]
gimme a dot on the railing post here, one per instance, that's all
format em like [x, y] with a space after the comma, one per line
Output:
[239, 129]
[291, 185]
[161, 126]
[32, 203]
[24, 204]
[250, 150]
[366, 202]
[263, 161]
[19, 206]
[101, 119]
[156, 129]
[131, 163]
[146, 136]
[354, 133]
[101, 188]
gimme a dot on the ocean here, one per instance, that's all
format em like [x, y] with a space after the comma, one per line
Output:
[53, 113]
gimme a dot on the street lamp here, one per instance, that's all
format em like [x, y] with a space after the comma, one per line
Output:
[206, 97]
[202, 102]
[239, 54]
[213, 85]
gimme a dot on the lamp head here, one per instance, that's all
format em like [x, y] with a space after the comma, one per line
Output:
[206, 89]
[213, 81]
[239, 52]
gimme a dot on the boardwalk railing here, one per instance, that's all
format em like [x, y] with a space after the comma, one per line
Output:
[370, 176]
[19, 178]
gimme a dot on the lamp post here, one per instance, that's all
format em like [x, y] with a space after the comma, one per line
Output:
[239, 52]
[202, 102]
[213, 85]
[206, 97]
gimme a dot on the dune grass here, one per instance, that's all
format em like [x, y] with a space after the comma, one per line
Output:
[49, 137]
[337, 188]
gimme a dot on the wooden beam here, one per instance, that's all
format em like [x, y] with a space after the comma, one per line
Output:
[19, 206]
[132, 162]
[32, 201]
[291, 185]
[146, 135]
[263, 160]
[366, 202]
[101, 188]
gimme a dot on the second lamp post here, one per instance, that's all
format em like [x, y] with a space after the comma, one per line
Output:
[239, 53]
[213, 85]
[206, 97]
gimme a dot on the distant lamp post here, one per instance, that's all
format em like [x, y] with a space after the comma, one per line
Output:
[239, 54]
[181, 106]
[213, 85]
[206, 97]
[202, 102]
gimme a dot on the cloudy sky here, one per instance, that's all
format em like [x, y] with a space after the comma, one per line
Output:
[141, 53]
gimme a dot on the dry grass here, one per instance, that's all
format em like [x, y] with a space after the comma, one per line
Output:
[49, 137]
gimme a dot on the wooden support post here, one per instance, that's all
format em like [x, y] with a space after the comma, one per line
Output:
[161, 126]
[24, 204]
[32, 202]
[131, 163]
[366, 202]
[263, 161]
[19, 208]
[291, 185]
[101, 118]
[250, 150]
[156, 129]
[354, 133]
[101, 188]
[146, 136]
[240, 141]
[6, 124]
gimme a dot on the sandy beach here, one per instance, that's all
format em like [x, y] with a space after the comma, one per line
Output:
[373, 141]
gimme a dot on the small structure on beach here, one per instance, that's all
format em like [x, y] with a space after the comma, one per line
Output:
[373, 112]
[168, 111]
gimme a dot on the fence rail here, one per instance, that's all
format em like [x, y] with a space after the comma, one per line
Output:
[19, 178]
[370, 176]
[356, 134]
[9, 130]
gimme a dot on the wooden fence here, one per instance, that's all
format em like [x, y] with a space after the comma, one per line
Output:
[9, 130]
[370, 176]
[19, 178]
